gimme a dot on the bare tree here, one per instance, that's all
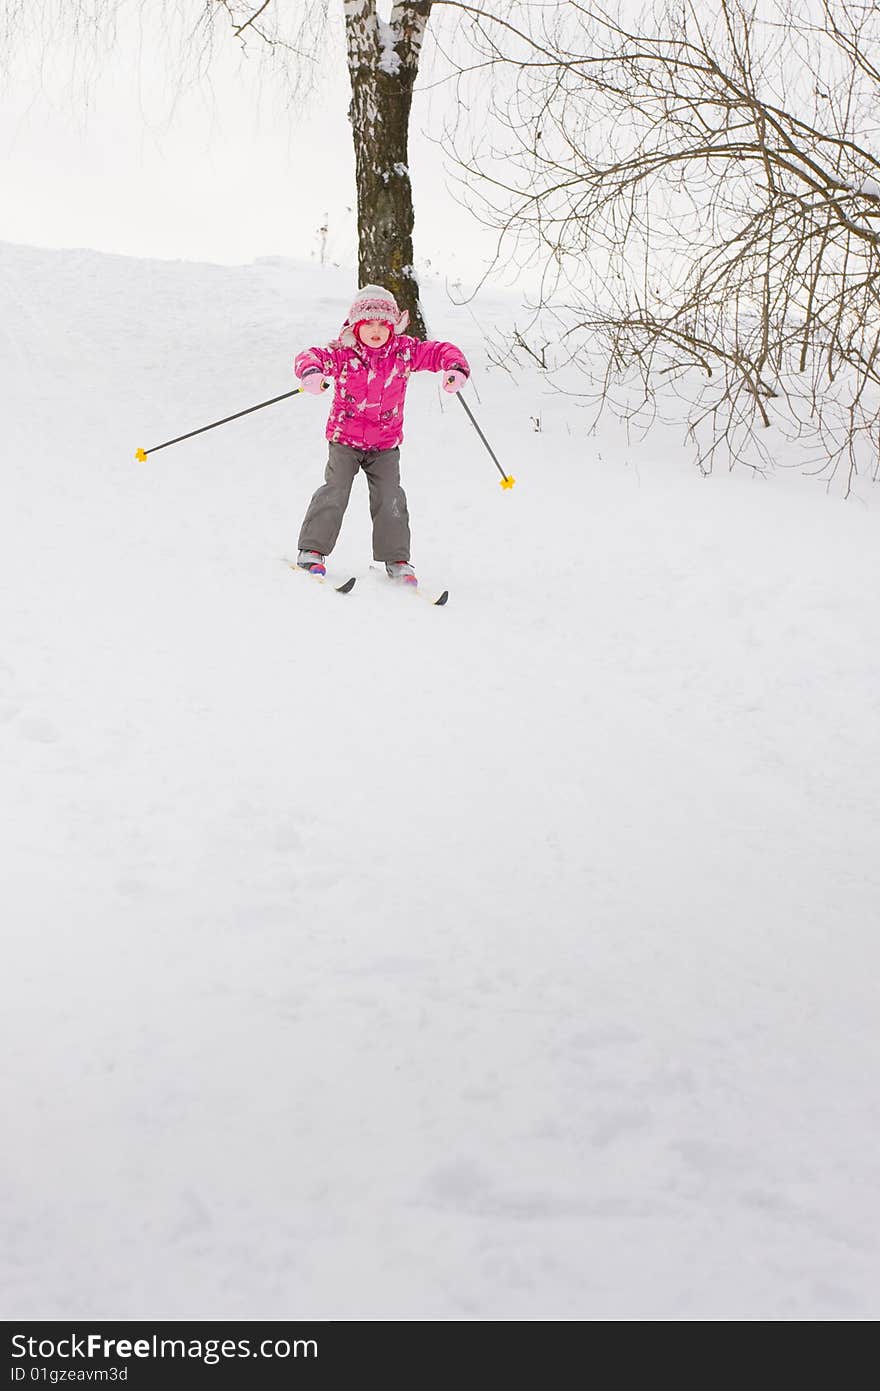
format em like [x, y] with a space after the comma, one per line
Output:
[702, 190]
[383, 63]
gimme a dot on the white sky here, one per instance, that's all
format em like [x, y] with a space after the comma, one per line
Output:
[122, 160]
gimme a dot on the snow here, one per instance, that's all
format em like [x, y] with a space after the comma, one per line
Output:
[510, 960]
[389, 59]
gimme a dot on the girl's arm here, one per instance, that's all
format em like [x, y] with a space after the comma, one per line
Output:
[321, 360]
[438, 357]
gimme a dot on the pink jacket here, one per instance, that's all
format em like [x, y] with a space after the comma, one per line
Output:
[371, 383]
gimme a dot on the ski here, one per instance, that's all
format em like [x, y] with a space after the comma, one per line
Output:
[344, 587]
[440, 600]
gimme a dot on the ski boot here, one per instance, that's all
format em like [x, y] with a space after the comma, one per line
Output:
[400, 570]
[311, 561]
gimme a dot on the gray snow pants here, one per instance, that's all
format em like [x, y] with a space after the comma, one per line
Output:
[388, 508]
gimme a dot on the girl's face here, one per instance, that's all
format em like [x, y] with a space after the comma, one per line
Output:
[373, 333]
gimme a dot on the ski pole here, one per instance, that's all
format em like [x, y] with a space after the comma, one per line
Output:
[141, 454]
[507, 480]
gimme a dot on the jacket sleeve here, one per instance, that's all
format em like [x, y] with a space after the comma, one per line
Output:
[324, 359]
[438, 357]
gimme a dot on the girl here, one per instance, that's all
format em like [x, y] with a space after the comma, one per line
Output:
[370, 362]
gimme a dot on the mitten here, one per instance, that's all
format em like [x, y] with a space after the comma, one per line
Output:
[313, 381]
[454, 380]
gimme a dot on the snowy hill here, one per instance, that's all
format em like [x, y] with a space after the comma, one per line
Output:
[516, 959]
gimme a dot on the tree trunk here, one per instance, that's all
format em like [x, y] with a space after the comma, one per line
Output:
[383, 62]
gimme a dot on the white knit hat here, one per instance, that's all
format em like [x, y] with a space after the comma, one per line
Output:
[372, 302]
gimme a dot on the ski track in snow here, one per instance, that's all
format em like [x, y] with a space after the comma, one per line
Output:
[516, 959]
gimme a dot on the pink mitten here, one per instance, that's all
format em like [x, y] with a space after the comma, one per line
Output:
[454, 380]
[313, 382]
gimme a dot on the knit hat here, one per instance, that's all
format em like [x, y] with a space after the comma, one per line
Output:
[372, 302]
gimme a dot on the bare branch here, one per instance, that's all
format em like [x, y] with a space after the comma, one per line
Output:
[704, 188]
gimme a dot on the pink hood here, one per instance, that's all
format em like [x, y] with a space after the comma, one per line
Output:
[367, 410]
